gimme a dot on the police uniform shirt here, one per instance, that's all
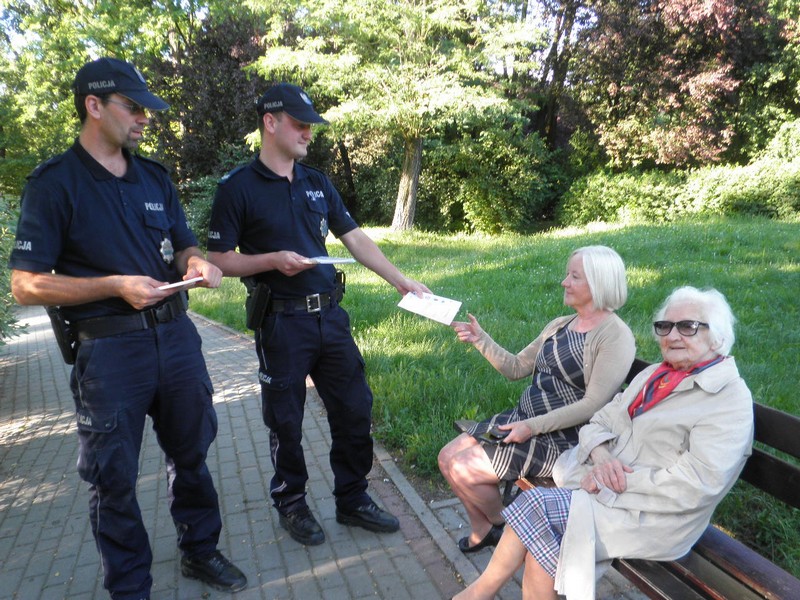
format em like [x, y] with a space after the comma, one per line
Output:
[260, 211]
[79, 219]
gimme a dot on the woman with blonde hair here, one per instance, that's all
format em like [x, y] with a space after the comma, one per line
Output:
[577, 363]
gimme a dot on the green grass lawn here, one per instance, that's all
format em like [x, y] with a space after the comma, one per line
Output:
[423, 377]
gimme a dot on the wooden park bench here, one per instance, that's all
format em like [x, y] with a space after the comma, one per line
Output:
[719, 567]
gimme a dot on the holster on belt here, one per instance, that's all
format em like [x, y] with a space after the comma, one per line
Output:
[341, 280]
[65, 336]
[257, 302]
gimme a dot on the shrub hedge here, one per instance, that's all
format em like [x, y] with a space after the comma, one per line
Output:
[769, 186]
[8, 223]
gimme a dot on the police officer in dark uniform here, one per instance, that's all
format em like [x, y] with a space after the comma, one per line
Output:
[100, 232]
[278, 213]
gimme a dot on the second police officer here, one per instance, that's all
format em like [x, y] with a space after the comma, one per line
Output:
[278, 212]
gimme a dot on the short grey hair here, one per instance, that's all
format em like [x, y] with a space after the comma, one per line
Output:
[605, 274]
[714, 310]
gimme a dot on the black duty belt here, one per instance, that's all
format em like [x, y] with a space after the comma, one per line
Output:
[98, 327]
[312, 304]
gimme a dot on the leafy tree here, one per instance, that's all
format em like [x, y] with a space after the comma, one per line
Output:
[213, 95]
[770, 92]
[456, 86]
[45, 42]
[8, 322]
[659, 78]
[405, 69]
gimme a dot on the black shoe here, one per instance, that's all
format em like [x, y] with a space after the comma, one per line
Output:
[215, 570]
[491, 539]
[303, 527]
[370, 517]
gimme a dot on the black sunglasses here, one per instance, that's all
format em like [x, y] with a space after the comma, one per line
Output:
[687, 328]
[134, 109]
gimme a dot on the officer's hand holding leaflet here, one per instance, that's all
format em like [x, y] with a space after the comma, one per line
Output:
[192, 263]
[140, 291]
[186, 283]
[291, 263]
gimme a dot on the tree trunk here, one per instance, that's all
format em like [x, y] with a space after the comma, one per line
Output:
[554, 73]
[406, 204]
[350, 186]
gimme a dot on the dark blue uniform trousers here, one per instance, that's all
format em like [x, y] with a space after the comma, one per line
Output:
[290, 346]
[116, 382]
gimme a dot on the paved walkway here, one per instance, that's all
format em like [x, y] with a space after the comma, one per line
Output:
[47, 550]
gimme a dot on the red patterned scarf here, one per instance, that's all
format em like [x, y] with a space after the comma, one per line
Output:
[661, 383]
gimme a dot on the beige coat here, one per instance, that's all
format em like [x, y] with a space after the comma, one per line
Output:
[686, 452]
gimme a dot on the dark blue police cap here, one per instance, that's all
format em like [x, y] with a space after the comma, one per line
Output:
[288, 98]
[107, 75]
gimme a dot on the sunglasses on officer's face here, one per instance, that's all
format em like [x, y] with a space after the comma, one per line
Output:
[134, 109]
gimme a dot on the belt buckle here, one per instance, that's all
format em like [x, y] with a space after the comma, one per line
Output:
[149, 318]
[310, 300]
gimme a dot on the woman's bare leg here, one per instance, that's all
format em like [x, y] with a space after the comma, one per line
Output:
[536, 583]
[468, 470]
[506, 560]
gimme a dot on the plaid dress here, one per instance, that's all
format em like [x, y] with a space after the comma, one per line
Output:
[539, 518]
[557, 381]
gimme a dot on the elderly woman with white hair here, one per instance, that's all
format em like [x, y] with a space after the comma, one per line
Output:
[649, 469]
[577, 364]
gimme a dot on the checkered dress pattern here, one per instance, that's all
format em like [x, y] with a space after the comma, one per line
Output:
[539, 518]
[557, 381]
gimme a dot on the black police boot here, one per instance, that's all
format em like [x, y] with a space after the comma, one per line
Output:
[303, 527]
[369, 516]
[215, 570]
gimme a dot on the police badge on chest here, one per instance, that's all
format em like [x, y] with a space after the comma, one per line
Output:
[167, 251]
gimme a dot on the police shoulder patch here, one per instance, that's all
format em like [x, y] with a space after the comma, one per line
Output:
[42, 167]
[230, 174]
[313, 170]
[152, 162]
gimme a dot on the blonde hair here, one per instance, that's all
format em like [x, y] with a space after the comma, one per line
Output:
[605, 274]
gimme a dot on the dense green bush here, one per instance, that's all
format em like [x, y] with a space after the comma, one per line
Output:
[629, 197]
[769, 186]
[197, 196]
[499, 180]
[489, 179]
[8, 222]
[786, 143]
[12, 174]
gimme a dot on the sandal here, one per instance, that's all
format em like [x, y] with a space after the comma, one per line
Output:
[491, 539]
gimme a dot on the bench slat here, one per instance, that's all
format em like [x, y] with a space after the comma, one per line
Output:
[777, 429]
[709, 579]
[747, 566]
[773, 475]
[654, 580]
[637, 367]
